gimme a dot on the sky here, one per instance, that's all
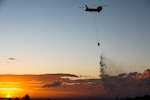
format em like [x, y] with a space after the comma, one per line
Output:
[49, 86]
[53, 36]
[73, 86]
[40, 37]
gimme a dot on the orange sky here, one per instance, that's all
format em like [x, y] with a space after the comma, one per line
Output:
[50, 86]
[73, 86]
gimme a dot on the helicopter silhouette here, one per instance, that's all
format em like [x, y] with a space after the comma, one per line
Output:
[98, 9]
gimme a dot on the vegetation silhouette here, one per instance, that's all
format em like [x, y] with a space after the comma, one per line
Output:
[16, 98]
[145, 97]
[26, 97]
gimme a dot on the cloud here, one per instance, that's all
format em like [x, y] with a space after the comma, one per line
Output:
[120, 85]
[60, 84]
[11, 59]
[145, 74]
[117, 86]
[54, 84]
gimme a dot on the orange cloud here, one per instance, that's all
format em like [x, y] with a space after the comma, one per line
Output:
[51, 85]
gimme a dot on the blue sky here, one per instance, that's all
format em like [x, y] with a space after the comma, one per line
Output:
[56, 36]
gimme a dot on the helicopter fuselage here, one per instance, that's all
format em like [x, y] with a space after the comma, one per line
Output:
[98, 9]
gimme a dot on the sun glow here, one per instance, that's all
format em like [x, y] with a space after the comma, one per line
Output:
[11, 92]
[8, 96]
[12, 89]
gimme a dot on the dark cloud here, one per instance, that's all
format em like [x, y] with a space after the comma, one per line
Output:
[47, 78]
[11, 58]
[54, 84]
[120, 85]
[124, 84]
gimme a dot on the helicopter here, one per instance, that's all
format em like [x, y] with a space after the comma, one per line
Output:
[98, 9]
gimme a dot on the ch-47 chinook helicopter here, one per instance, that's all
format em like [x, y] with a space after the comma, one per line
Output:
[98, 9]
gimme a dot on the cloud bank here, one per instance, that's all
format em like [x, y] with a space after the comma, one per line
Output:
[136, 83]
[125, 84]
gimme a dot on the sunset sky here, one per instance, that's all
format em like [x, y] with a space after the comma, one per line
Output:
[50, 86]
[40, 37]
[73, 86]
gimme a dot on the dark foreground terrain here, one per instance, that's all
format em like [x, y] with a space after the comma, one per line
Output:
[145, 97]
[57, 99]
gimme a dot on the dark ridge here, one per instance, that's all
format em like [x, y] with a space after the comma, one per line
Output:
[145, 97]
